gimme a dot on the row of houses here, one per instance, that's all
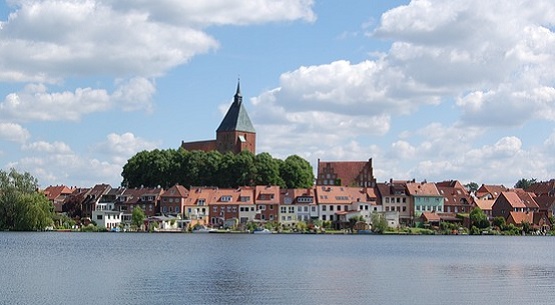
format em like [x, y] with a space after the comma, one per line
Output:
[401, 202]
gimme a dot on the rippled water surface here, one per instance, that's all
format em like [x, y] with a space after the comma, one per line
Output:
[124, 268]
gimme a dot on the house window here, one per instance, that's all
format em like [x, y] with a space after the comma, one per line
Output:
[283, 209]
[225, 198]
[98, 217]
[331, 207]
[177, 209]
[324, 217]
[291, 209]
[323, 208]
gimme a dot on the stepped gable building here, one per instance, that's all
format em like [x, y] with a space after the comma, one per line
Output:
[235, 134]
[346, 173]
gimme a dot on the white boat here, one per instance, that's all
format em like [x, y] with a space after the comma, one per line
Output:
[262, 231]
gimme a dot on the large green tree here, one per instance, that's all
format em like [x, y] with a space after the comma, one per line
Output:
[296, 172]
[267, 170]
[22, 207]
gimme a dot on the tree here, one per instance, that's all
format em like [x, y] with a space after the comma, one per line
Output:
[137, 217]
[478, 218]
[22, 207]
[379, 223]
[472, 186]
[525, 183]
[297, 172]
[267, 170]
[499, 222]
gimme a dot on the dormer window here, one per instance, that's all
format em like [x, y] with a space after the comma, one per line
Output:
[225, 198]
[201, 201]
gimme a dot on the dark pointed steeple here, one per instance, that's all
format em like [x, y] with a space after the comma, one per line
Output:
[238, 98]
[236, 118]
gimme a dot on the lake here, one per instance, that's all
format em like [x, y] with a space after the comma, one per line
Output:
[135, 268]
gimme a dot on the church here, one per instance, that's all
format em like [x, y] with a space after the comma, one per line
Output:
[235, 134]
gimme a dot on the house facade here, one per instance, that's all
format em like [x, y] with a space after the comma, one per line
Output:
[425, 197]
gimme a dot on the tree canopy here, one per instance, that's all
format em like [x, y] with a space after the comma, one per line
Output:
[22, 207]
[525, 183]
[167, 167]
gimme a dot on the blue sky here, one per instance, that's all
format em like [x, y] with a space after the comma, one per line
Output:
[432, 90]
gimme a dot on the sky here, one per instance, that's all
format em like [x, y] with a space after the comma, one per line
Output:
[430, 90]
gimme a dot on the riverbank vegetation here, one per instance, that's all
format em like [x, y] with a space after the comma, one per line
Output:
[22, 207]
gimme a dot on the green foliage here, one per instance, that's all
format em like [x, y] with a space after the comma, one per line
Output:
[379, 223]
[137, 217]
[478, 218]
[301, 226]
[165, 168]
[297, 172]
[22, 207]
[525, 183]
[499, 222]
[472, 186]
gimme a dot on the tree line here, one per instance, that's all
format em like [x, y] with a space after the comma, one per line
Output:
[167, 167]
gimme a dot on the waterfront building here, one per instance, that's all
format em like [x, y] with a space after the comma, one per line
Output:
[346, 173]
[393, 197]
[426, 197]
[172, 201]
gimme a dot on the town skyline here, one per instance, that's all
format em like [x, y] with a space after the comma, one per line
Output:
[430, 90]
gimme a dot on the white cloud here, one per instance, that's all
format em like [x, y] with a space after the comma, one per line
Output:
[221, 12]
[46, 41]
[46, 147]
[120, 147]
[35, 103]
[13, 132]
[57, 163]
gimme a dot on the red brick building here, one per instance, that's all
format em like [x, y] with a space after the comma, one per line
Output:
[235, 134]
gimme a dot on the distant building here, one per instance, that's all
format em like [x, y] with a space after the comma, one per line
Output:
[346, 173]
[235, 133]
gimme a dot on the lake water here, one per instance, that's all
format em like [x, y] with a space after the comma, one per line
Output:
[127, 268]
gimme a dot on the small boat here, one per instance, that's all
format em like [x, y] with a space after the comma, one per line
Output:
[262, 231]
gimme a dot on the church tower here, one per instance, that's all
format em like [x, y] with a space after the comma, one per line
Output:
[236, 132]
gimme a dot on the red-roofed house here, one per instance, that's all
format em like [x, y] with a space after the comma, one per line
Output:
[512, 201]
[224, 208]
[346, 173]
[394, 197]
[456, 198]
[57, 195]
[196, 207]
[297, 205]
[543, 188]
[172, 201]
[426, 197]
[267, 200]
[490, 191]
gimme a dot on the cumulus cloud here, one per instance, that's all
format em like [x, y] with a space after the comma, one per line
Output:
[120, 147]
[46, 41]
[36, 103]
[46, 147]
[13, 132]
[56, 163]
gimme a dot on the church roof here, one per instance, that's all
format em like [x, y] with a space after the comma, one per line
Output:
[236, 118]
